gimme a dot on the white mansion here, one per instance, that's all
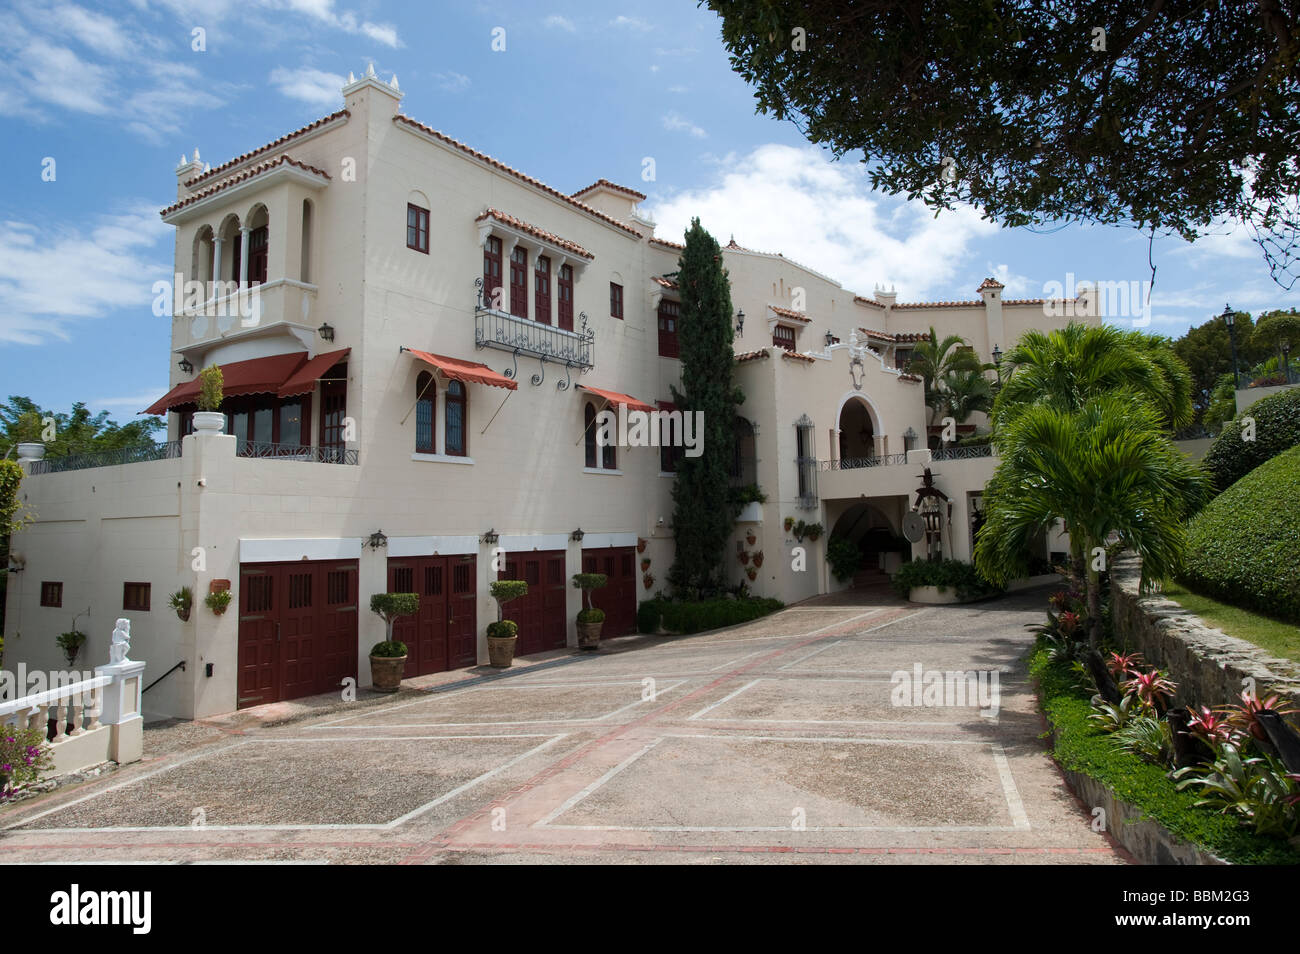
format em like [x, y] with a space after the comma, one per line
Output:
[392, 421]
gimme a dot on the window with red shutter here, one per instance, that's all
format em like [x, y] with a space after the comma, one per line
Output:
[615, 300]
[417, 228]
[668, 316]
[542, 290]
[564, 292]
[783, 337]
[519, 282]
[492, 290]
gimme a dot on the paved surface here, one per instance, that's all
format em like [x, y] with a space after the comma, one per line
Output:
[774, 741]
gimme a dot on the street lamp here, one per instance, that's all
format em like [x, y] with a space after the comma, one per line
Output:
[830, 338]
[1230, 317]
[997, 362]
[740, 322]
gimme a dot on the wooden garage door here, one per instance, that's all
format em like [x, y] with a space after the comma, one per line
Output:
[443, 635]
[297, 629]
[618, 597]
[542, 614]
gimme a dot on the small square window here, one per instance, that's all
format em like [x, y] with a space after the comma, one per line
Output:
[135, 596]
[417, 228]
[51, 594]
[615, 300]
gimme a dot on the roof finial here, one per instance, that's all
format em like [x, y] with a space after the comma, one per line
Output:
[352, 77]
[196, 154]
[393, 82]
[370, 70]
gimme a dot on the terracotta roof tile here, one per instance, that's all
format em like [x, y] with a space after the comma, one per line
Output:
[910, 377]
[665, 282]
[941, 304]
[534, 231]
[753, 355]
[659, 241]
[791, 314]
[249, 173]
[613, 187]
[218, 170]
[795, 356]
[990, 283]
[522, 177]
[858, 299]
[906, 336]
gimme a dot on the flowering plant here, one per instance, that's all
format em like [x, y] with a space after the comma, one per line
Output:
[24, 757]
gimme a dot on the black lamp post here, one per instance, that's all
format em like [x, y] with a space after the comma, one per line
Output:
[997, 362]
[1230, 317]
[740, 322]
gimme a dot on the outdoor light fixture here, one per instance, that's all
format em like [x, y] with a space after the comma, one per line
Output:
[377, 540]
[1230, 318]
[577, 535]
[830, 338]
[740, 322]
[186, 366]
[326, 332]
[491, 537]
[997, 355]
[909, 439]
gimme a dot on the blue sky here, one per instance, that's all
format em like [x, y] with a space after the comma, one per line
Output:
[115, 92]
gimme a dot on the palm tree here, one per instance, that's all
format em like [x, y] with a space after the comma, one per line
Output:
[933, 360]
[963, 392]
[1108, 470]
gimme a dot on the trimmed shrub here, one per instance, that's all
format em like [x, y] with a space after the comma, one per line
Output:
[502, 629]
[1277, 428]
[388, 649]
[1244, 547]
[593, 615]
[694, 617]
[962, 577]
[844, 557]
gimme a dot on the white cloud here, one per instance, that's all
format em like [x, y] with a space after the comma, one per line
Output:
[674, 122]
[313, 86]
[678, 89]
[451, 81]
[94, 30]
[382, 33]
[51, 278]
[632, 23]
[1017, 285]
[557, 22]
[824, 215]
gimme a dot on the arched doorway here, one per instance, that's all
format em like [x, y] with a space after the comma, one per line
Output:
[874, 534]
[857, 432]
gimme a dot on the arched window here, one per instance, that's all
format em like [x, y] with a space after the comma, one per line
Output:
[589, 434]
[457, 419]
[426, 397]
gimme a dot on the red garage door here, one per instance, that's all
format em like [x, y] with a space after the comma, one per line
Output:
[541, 615]
[444, 634]
[618, 597]
[297, 629]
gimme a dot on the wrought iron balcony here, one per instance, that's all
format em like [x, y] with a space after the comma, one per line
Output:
[318, 455]
[494, 328]
[108, 458]
[963, 453]
[853, 463]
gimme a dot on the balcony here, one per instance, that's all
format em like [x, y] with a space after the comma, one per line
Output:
[282, 306]
[302, 452]
[853, 463]
[505, 332]
[109, 458]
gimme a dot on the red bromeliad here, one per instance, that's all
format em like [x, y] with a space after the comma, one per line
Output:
[1152, 689]
[1124, 664]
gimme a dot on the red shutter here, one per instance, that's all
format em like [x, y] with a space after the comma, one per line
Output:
[668, 316]
[564, 287]
[783, 337]
[519, 282]
[542, 290]
[492, 272]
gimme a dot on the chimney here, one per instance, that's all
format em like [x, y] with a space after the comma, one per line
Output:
[886, 298]
[371, 95]
[188, 169]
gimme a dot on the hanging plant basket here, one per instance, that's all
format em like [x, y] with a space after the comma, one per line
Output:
[645, 565]
[640, 545]
[750, 538]
[789, 524]
[758, 558]
[752, 573]
[648, 580]
[743, 556]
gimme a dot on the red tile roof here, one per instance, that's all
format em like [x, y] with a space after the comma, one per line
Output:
[791, 314]
[497, 164]
[536, 232]
[665, 282]
[941, 304]
[752, 355]
[910, 377]
[613, 187]
[218, 170]
[795, 356]
[249, 173]
[1039, 301]
[906, 336]
[858, 299]
[990, 283]
[659, 241]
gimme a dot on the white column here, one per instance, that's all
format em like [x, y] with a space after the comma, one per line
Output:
[243, 256]
[217, 245]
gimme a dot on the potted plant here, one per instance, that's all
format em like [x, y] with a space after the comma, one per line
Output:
[750, 538]
[208, 419]
[789, 524]
[743, 557]
[182, 601]
[218, 601]
[71, 643]
[590, 618]
[645, 565]
[640, 544]
[813, 530]
[648, 579]
[758, 558]
[502, 634]
[752, 573]
[388, 659]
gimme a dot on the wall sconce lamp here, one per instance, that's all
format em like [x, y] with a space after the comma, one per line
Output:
[577, 535]
[491, 537]
[377, 540]
[326, 332]
[740, 322]
[830, 338]
[186, 366]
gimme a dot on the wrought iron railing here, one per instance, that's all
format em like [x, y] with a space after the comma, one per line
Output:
[963, 453]
[853, 463]
[108, 458]
[505, 332]
[318, 455]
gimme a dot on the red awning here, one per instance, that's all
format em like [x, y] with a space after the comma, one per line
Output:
[254, 376]
[614, 397]
[305, 378]
[467, 371]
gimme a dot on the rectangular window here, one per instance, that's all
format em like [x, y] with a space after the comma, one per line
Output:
[519, 282]
[806, 462]
[492, 273]
[258, 244]
[668, 316]
[334, 406]
[783, 337]
[564, 291]
[417, 228]
[291, 426]
[615, 300]
[902, 358]
[51, 594]
[670, 441]
[135, 596]
[542, 290]
[456, 419]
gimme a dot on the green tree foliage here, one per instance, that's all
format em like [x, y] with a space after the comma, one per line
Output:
[963, 393]
[1279, 330]
[22, 420]
[1178, 114]
[703, 514]
[1222, 407]
[944, 367]
[1276, 429]
[1207, 351]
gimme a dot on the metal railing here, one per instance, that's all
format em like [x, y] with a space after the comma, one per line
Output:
[973, 452]
[109, 458]
[318, 455]
[853, 463]
[505, 332]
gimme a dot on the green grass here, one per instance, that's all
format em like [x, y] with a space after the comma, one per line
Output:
[1082, 747]
[1279, 638]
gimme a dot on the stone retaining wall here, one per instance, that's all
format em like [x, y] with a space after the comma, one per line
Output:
[1207, 664]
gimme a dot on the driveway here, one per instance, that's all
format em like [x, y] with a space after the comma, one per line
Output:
[776, 741]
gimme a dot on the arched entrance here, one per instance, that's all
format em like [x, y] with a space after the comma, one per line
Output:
[857, 431]
[867, 526]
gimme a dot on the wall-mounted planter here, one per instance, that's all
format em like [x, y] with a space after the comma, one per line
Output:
[752, 512]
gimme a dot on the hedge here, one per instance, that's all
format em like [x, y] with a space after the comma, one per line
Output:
[1277, 428]
[1080, 746]
[1244, 547]
[963, 577]
[684, 617]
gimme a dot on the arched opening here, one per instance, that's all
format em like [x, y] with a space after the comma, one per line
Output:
[304, 267]
[259, 241]
[744, 463]
[857, 431]
[201, 266]
[873, 533]
[228, 271]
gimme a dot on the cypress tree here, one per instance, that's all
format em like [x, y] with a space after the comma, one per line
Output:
[703, 514]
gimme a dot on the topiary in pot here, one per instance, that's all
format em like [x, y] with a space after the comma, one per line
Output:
[502, 634]
[388, 659]
[208, 419]
[590, 619]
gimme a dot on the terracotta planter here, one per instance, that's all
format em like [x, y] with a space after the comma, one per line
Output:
[751, 539]
[589, 635]
[752, 574]
[386, 672]
[758, 558]
[501, 651]
[183, 615]
[640, 545]
[645, 565]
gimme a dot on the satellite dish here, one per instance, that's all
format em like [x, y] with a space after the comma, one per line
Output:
[913, 526]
